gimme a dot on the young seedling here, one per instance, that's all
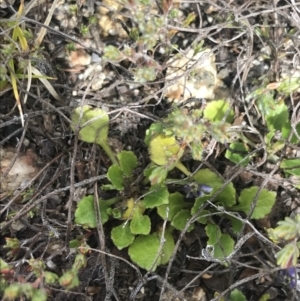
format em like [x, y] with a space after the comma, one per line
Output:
[166, 151]
[93, 127]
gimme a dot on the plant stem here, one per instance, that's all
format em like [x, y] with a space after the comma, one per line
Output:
[182, 168]
[112, 201]
[109, 152]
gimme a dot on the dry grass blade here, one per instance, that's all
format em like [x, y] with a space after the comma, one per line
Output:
[29, 6]
[46, 83]
[43, 30]
[29, 72]
[13, 79]
[17, 35]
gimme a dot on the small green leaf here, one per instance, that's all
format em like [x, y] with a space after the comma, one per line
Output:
[4, 266]
[140, 224]
[276, 147]
[264, 297]
[176, 204]
[122, 236]
[288, 256]
[214, 233]
[95, 131]
[158, 175]
[69, 280]
[94, 124]
[215, 111]
[164, 149]
[294, 138]
[146, 74]
[111, 52]
[115, 175]
[223, 244]
[277, 117]
[227, 197]
[286, 130]
[199, 202]
[189, 19]
[287, 229]
[198, 47]
[104, 205]
[116, 213]
[79, 262]
[3, 83]
[154, 130]
[143, 251]
[236, 224]
[238, 157]
[128, 162]
[50, 278]
[39, 295]
[203, 217]
[12, 243]
[265, 202]
[134, 33]
[289, 85]
[237, 295]
[269, 138]
[290, 163]
[197, 151]
[74, 243]
[128, 208]
[85, 214]
[156, 198]
[219, 131]
[168, 247]
[180, 220]
[224, 247]
[14, 290]
[291, 166]
[265, 101]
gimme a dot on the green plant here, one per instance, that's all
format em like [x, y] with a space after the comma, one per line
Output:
[287, 233]
[237, 295]
[174, 209]
[35, 291]
[215, 120]
[20, 56]
[93, 127]
[147, 33]
[84, 29]
[269, 99]
[189, 128]
[291, 169]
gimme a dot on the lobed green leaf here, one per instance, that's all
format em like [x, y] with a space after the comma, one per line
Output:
[144, 250]
[122, 236]
[156, 198]
[265, 201]
[140, 224]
